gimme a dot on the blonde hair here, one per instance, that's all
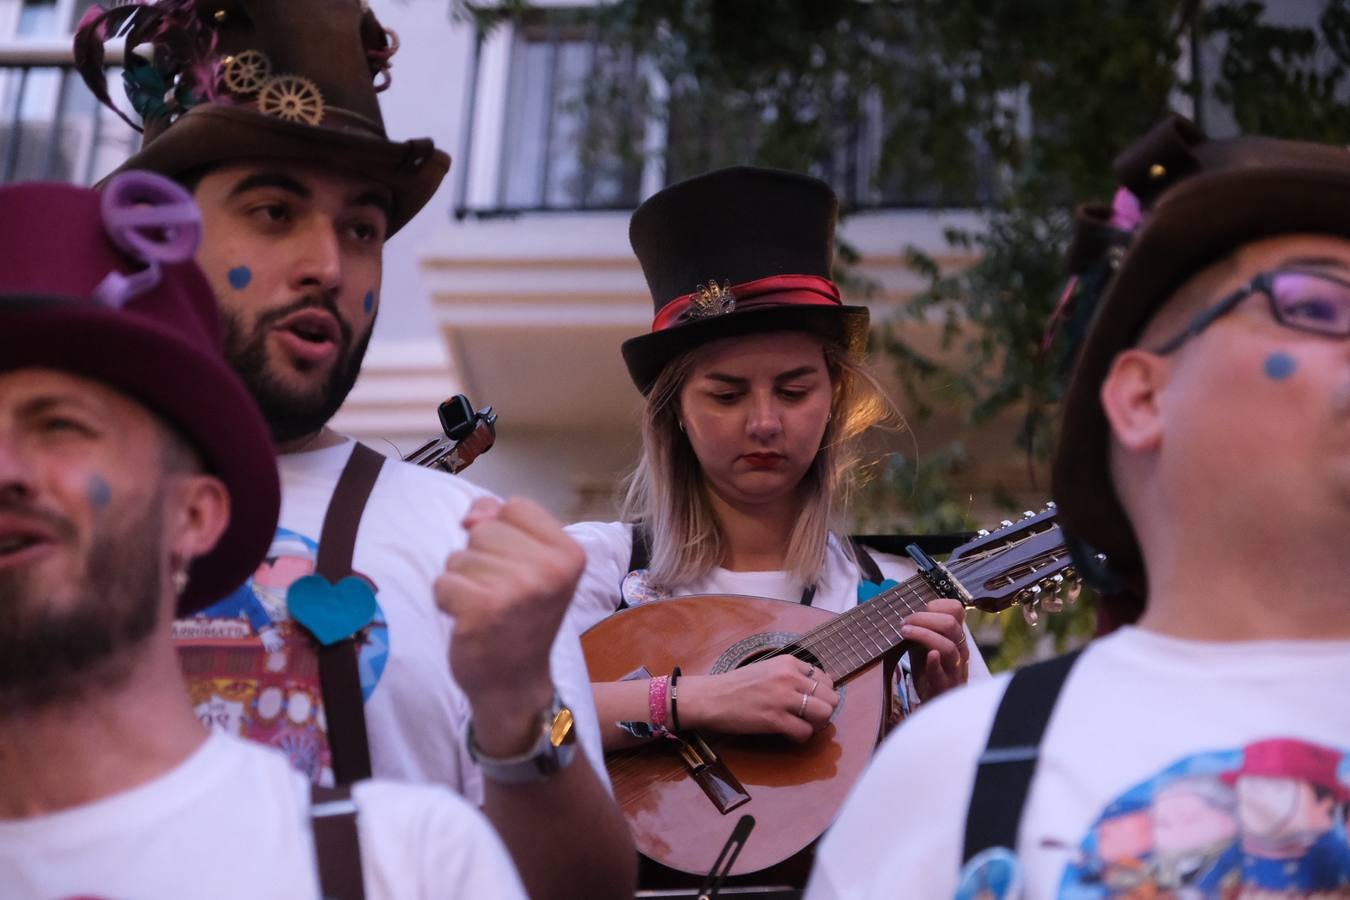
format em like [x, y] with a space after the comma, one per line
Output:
[668, 493]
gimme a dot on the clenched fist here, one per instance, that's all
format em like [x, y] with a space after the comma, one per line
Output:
[508, 591]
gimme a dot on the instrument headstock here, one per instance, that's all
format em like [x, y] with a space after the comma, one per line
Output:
[1023, 561]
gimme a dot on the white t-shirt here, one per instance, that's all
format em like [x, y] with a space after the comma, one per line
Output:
[252, 671]
[233, 821]
[1169, 768]
[606, 581]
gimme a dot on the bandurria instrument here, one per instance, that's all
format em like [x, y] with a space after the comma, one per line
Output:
[677, 794]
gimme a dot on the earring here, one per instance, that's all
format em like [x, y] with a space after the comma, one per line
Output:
[680, 422]
[180, 582]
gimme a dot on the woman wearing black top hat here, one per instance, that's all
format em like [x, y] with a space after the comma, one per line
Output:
[755, 395]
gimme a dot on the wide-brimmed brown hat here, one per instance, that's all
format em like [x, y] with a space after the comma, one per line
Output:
[287, 80]
[1199, 200]
[738, 251]
[104, 286]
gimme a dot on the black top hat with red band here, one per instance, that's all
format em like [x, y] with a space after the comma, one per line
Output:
[738, 251]
[103, 286]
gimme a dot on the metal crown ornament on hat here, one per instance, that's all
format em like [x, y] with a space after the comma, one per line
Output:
[711, 299]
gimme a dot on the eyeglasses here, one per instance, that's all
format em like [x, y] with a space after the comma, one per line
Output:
[1299, 299]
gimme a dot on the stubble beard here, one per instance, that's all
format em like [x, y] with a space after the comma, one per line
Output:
[55, 650]
[292, 413]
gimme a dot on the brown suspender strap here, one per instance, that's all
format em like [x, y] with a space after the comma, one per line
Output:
[337, 845]
[339, 677]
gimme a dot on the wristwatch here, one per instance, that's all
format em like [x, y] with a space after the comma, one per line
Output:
[552, 752]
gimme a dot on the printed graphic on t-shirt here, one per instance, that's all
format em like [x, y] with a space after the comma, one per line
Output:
[1264, 820]
[252, 671]
[992, 874]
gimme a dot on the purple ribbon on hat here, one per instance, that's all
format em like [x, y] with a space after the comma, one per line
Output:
[152, 220]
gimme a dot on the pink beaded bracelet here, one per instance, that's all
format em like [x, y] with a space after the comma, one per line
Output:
[657, 689]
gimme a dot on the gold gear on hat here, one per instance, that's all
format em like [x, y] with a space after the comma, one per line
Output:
[247, 72]
[293, 98]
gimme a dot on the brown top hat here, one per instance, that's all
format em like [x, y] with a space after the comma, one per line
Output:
[103, 286]
[737, 251]
[287, 80]
[1200, 200]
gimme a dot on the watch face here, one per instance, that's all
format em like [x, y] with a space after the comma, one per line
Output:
[562, 727]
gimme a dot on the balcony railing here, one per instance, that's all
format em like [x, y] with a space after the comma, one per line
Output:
[51, 127]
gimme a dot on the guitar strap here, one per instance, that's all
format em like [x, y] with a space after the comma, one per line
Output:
[339, 677]
[337, 845]
[1008, 765]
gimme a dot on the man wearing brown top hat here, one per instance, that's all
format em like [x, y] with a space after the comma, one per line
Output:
[350, 664]
[137, 483]
[1205, 452]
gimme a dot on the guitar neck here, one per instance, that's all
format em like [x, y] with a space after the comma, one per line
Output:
[854, 640]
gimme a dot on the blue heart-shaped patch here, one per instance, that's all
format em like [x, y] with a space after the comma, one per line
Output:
[331, 612]
[869, 589]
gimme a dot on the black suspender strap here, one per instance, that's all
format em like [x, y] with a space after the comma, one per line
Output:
[1003, 778]
[339, 677]
[337, 845]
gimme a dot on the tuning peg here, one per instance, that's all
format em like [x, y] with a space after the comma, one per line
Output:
[1006, 523]
[1029, 613]
[1034, 590]
[1028, 514]
[1050, 504]
[983, 532]
[1058, 579]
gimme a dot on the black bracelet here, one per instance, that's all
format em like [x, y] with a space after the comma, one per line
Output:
[674, 695]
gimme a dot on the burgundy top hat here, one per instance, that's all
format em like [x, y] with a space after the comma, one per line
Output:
[103, 286]
[1199, 200]
[737, 251]
[1286, 758]
[287, 80]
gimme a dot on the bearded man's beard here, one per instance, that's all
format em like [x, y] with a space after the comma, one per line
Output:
[60, 641]
[292, 412]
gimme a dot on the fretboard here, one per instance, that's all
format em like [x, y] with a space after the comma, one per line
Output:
[852, 641]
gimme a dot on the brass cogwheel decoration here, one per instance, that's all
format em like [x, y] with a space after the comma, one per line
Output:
[293, 98]
[245, 73]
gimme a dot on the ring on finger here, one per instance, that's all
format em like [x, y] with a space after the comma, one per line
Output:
[811, 670]
[814, 684]
[801, 710]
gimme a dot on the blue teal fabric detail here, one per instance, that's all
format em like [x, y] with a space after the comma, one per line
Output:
[331, 612]
[869, 589]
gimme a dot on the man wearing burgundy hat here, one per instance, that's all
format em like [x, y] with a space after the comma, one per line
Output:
[137, 483]
[385, 658]
[1204, 465]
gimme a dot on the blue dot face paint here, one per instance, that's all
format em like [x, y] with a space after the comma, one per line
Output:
[370, 302]
[99, 492]
[240, 276]
[1280, 366]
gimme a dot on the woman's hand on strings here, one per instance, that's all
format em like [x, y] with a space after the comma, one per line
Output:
[939, 652]
[782, 695]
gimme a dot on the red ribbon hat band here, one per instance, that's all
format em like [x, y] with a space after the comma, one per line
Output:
[775, 290]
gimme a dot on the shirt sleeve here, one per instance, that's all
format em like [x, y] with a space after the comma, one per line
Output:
[609, 547]
[423, 841]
